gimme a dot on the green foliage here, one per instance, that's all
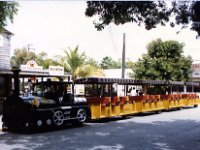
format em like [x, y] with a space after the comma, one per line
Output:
[149, 13]
[74, 59]
[22, 56]
[131, 11]
[43, 60]
[129, 64]
[109, 63]
[76, 63]
[60, 60]
[163, 61]
[87, 70]
[7, 11]
[93, 62]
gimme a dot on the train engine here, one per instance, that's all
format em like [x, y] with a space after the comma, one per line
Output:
[51, 103]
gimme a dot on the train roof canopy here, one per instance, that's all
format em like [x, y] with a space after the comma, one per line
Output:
[97, 80]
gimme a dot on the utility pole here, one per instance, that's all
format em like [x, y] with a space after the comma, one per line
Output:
[29, 48]
[123, 56]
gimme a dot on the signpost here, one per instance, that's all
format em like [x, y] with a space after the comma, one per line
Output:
[31, 65]
[56, 70]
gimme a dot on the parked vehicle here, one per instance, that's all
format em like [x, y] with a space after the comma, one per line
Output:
[50, 103]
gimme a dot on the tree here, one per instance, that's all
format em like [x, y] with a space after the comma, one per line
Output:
[88, 70]
[43, 60]
[76, 64]
[7, 11]
[151, 13]
[129, 64]
[109, 63]
[60, 60]
[163, 61]
[74, 60]
[93, 62]
[21, 56]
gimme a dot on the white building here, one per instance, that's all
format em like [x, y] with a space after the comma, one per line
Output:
[5, 37]
[117, 73]
[5, 75]
[196, 71]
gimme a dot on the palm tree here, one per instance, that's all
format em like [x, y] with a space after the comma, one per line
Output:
[76, 64]
[87, 70]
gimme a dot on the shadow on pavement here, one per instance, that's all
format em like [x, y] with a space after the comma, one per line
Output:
[170, 135]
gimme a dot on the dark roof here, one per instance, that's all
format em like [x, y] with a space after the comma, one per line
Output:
[5, 72]
[176, 83]
[192, 83]
[95, 80]
[53, 82]
[32, 73]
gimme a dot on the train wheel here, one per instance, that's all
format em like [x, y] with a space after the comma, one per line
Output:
[81, 116]
[195, 106]
[58, 118]
[158, 112]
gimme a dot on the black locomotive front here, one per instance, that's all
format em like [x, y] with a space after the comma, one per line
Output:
[49, 104]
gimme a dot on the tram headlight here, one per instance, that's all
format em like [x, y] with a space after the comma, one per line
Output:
[35, 102]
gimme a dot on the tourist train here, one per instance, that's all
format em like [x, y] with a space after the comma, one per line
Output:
[47, 104]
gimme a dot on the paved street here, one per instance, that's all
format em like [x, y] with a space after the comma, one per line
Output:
[172, 130]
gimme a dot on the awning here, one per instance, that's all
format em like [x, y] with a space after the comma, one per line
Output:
[95, 80]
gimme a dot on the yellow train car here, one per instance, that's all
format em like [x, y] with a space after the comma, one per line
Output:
[105, 101]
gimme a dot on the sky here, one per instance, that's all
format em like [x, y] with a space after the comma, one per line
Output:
[54, 26]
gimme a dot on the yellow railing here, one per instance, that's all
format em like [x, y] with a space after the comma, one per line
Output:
[105, 107]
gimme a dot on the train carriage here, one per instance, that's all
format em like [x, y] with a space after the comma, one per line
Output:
[105, 100]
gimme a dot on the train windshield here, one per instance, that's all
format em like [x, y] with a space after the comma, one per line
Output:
[52, 88]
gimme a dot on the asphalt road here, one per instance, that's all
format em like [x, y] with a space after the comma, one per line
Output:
[174, 130]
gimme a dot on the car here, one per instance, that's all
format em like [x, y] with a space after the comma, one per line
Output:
[47, 104]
